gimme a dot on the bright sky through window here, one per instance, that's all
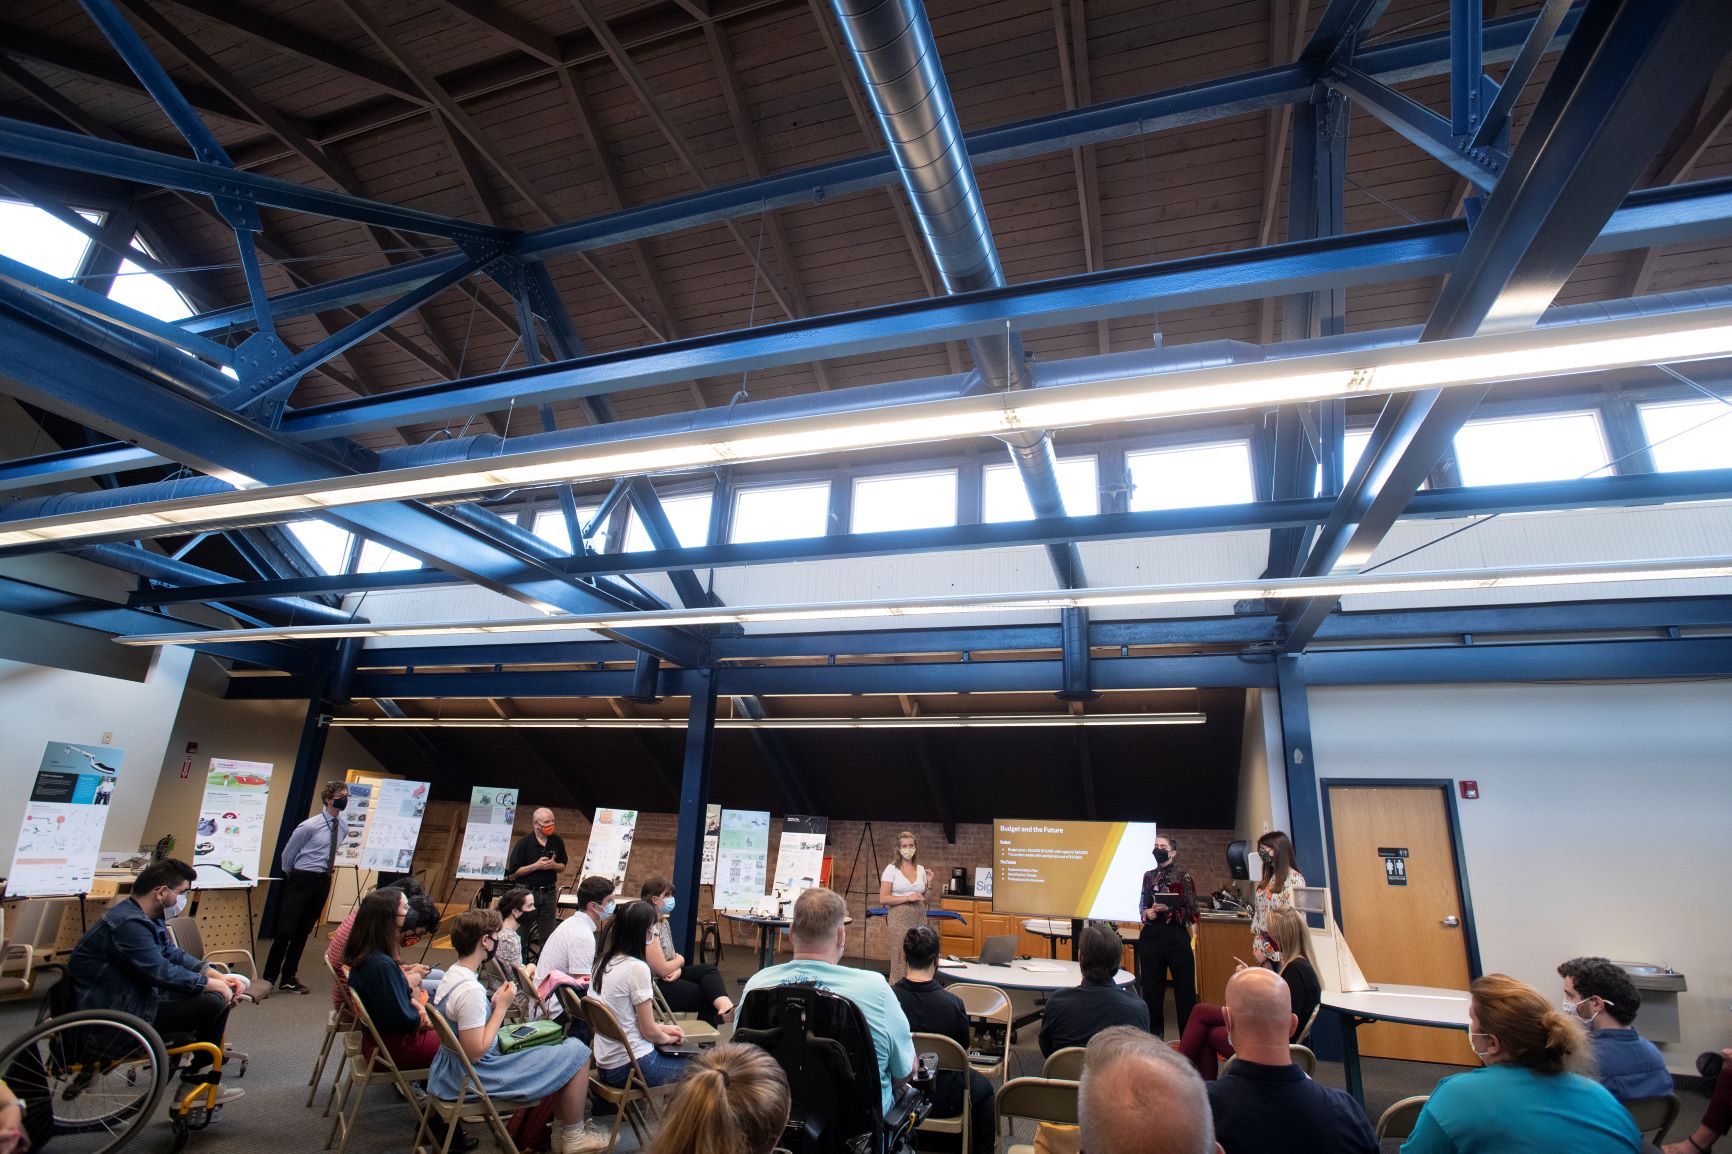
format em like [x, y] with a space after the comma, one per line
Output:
[1185, 478]
[550, 527]
[30, 236]
[1689, 435]
[1003, 497]
[377, 558]
[778, 512]
[148, 293]
[326, 544]
[689, 515]
[904, 501]
[1551, 447]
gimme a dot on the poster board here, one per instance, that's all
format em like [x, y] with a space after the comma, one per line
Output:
[356, 819]
[487, 834]
[398, 808]
[742, 855]
[609, 849]
[64, 817]
[799, 856]
[231, 824]
[712, 836]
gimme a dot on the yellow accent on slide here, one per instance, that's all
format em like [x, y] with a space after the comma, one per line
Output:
[1104, 860]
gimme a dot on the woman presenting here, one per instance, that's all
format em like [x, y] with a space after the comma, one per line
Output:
[902, 892]
[1277, 890]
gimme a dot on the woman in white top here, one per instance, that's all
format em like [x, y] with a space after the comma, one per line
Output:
[624, 983]
[1278, 890]
[902, 893]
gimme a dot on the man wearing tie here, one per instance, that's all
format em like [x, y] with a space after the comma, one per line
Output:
[306, 872]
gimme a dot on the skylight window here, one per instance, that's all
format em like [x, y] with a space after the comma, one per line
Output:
[778, 512]
[1003, 497]
[550, 527]
[1550, 447]
[148, 293]
[904, 501]
[1191, 476]
[325, 544]
[377, 558]
[1689, 435]
[33, 237]
[690, 516]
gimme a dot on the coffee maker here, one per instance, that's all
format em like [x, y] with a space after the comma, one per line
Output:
[958, 882]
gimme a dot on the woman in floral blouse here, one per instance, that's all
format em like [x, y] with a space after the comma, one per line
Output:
[1277, 890]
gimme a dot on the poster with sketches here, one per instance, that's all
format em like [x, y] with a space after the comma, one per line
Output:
[355, 820]
[487, 835]
[231, 824]
[63, 821]
[799, 855]
[742, 855]
[712, 835]
[609, 850]
[395, 828]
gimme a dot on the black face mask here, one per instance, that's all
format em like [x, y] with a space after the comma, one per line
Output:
[1162, 857]
[339, 804]
[491, 950]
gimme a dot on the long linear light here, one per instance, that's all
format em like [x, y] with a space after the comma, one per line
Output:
[920, 721]
[1453, 580]
[1561, 350]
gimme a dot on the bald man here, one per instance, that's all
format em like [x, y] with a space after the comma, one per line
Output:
[535, 862]
[1262, 1102]
[1139, 1096]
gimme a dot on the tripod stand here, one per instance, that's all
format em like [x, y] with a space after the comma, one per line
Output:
[866, 838]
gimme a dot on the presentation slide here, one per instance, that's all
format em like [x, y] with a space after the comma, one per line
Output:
[1070, 869]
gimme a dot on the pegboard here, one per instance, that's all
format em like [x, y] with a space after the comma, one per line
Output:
[71, 929]
[222, 920]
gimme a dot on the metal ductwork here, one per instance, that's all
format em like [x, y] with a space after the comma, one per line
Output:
[893, 45]
[157, 567]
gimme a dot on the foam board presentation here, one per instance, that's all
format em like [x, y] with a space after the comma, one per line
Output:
[1070, 869]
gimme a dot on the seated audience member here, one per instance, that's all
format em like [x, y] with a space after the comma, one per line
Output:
[1602, 997]
[539, 1072]
[1716, 1120]
[1139, 1097]
[734, 1101]
[570, 949]
[688, 989]
[516, 908]
[1263, 1103]
[819, 935]
[423, 918]
[127, 963]
[1075, 1015]
[932, 1009]
[622, 980]
[1206, 1038]
[1526, 1100]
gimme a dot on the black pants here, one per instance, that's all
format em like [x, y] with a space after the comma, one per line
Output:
[540, 925]
[204, 1015]
[947, 1103]
[1165, 946]
[696, 992]
[303, 898]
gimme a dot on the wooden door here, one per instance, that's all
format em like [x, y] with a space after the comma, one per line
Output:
[1409, 932]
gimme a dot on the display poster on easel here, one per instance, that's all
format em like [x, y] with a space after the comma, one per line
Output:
[63, 821]
[799, 855]
[712, 835]
[609, 849]
[487, 834]
[395, 828]
[742, 855]
[231, 824]
[355, 821]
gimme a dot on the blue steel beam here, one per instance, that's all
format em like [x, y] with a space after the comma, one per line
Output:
[338, 294]
[1466, 65]
[694, 803]
[1627, 68]
[68, 295]
[1299, 765]
[1339, 29]
[1478, 164]
[1545, 26]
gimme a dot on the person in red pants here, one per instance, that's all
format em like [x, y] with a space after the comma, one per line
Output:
[1716, 1120]
[1205, 1039]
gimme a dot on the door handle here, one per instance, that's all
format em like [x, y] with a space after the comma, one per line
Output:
[1452, 921]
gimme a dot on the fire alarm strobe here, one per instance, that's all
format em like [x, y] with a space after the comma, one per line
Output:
[1469, 790]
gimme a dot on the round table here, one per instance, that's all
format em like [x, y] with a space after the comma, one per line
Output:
[1433, 1006]
[767, 928]
[1042, 977]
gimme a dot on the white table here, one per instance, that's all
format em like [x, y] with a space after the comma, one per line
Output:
[1020, 975]
[1384, 1002]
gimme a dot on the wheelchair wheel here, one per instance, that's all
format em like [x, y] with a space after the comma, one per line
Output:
[90, 1080]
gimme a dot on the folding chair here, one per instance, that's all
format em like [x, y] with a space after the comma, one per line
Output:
[17, 962]
[1396, 1124]
[1066, 1063]
[183, 932]
[529, 1005]
[697, 1032]
[1040, 1099]
[1303, 1058]
[635, 1102]
[953, 1058]
[1654, 1116]
[375, 1069]
[472, 1104]
[992, 1005]
[338, 1022]
[1305, 1030]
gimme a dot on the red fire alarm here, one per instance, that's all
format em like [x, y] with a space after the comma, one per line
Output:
[1469, 790]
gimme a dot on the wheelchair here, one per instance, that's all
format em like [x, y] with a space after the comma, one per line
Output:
[821, 1042]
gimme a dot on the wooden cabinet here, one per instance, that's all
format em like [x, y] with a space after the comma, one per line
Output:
[979, 923]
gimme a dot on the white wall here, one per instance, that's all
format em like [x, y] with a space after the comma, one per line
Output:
[1601, 826]
[1262, 781]
[43, 705]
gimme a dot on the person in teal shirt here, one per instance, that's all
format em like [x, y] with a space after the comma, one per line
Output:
[1528, 1099]
[818, 934]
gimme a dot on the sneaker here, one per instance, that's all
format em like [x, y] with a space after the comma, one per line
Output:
[291, 986]
[591, 1139]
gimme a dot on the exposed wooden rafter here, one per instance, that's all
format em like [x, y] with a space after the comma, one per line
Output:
[1073, 68]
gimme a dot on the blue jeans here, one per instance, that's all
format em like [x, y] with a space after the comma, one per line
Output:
[658, 1069]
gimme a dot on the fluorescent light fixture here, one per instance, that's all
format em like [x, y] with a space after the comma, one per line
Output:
[1610, 344]
[922, 721]
[1455, 580]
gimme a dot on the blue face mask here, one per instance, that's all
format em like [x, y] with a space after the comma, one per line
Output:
[607, 910]
[668, 904]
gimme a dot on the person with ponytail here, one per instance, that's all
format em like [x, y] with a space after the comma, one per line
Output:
[734, 1101]
[1531, 1097]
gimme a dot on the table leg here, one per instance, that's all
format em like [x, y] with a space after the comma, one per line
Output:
[1052, 947]
[1350, 1057]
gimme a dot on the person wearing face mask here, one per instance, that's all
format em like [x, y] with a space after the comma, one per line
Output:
[1169, 906]
[535, 863]
[622, 981]
[1528, 1099]
[127, 963]
[571, 948]
[307, 859]
[696, 989]
[1602, 997]
[1278, 890]
[902, 892]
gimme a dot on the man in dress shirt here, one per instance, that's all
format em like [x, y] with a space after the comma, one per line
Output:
[306, 872]
[535, 862]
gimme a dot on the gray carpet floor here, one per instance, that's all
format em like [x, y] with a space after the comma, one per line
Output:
[281, 1036]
